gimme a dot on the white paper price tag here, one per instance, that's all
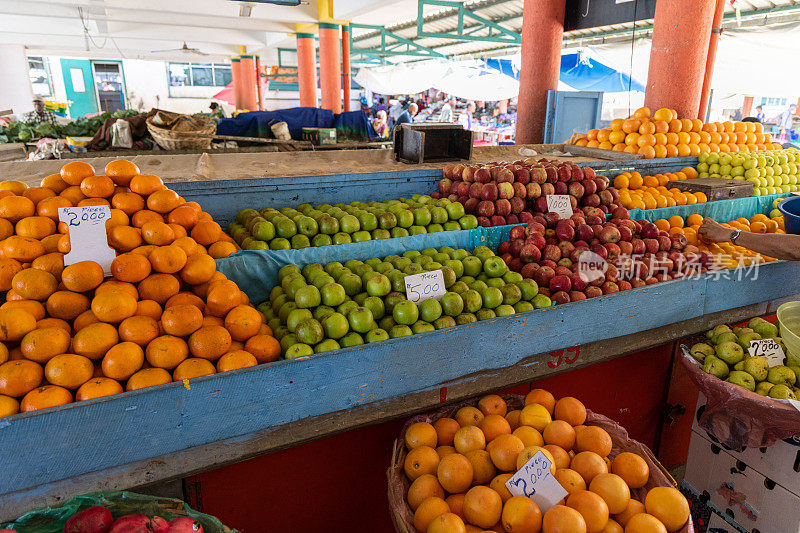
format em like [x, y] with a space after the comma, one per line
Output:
[425, 285]
[536, 481]
[767, 348]
[87, 235]
[559, 203]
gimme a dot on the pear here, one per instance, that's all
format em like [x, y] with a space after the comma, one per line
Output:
[728, 336]
[796, 370]
[730, 352]
[715, 366]
[739, 365]
[743, 379]
[764, 387]
[722, 328]
[766, 330]
[745, 338]
[758, 367]
[782, 392]
[700, 350]
[754, 322]
[739, 331]
[781, 375]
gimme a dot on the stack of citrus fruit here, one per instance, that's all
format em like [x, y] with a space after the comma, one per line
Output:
[652, 192]
[458, 468]
[165, 314]
[663, 134]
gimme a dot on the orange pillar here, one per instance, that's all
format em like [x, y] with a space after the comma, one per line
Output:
[681, 33]
[716, 29]
[236, 80]
[747, 107]
[259, 98]
[249, 94]
[307, 69]
[542, 35]
[330, 66]
[346, 66]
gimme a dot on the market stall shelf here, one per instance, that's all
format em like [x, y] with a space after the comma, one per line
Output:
[154, 428]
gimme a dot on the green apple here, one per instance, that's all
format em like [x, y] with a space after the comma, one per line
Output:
[298, 350]
[540, 301]
[295, 317]
[300, 241]
[495, 267]
[361, 319]
[430, 310]
[511, 294]
[523, 307]
[377, 335]
[758, 367]
[444, 322]
[405, 313]
[309, 331]
[420, 326]
[485, 314]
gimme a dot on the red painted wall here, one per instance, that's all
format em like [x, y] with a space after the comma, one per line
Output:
[339, 483]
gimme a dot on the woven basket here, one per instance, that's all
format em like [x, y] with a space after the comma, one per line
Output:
[173, 131]
[403, 516]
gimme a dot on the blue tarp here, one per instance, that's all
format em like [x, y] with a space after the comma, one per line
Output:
[580, 72]
[350, 125]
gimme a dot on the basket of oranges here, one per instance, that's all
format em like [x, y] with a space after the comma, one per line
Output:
[449, 471]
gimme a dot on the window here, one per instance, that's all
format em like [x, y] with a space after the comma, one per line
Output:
[40, 77]
[199, 74]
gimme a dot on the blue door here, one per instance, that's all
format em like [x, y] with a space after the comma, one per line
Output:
[80, 86]
[569, 112]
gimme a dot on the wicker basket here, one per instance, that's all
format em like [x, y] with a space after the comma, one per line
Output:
[173, 131]
[403, 516]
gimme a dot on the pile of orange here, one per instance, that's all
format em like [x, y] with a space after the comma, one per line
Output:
[458, 468]
[69, 333]
[652, 192]
[665, 135]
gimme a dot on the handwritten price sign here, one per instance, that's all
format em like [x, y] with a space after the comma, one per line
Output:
[536, 481]
[425, 285]
[559, 203]
[87, 235]
[768, 348]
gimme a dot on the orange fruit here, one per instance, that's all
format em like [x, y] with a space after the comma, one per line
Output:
[571, 410]
[159, 287]
[421, 434]
[122, 361]
[15, 208]
[163, 201]
[210, 342]
[148, 377]
[512, 417]
[181, 320]
[668, 505]
[428, 510]
[140, 218]
[235, 360]
[34, 284]
[124, 238]
[113, 306]
[632, 469]
[139, 329]
[454, 473]
[529, 436]
[612, 526]
[521, 515]
[447, 523]
[243, 321]
[634, 507]
[97, 187]
[121, 171]
[18, 377]
[219, 250]
[44, 397]
[265, 348]
[74, 172]
[560, 433]
[542, 397]
[644, 523]
[206, 232]
[50, 262]
[482, 506]
[493, 404]
[15, 324]
[588, 465]
[167, 259]
[82, 276]
[66, 305]
[128, 202]
[469, 416]
[527, 454]
[483, 469]
[494, 425]
[166, 352]
[8, 406]
[570, 480]
[94, 340]
[68, 370]
[54, 183]
[504, 450]
[97, 388]
[193, 368]
[35, 227]
[563, 519]
[535, 415]
[498, 484]
[419, 461]
[593, 439]
[8, 269]
[423, 487]
[158, 233]
[42, 344]
[592, 507]
[198, 269]
[614, 491]
[561, 458]
[130, 267]
[469, 438]
[445, 430]
[146, 184]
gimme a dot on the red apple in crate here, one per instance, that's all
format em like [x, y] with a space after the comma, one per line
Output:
[525, 217]
[564, 172]
[593, 292]
[577, 173]
[624, 285]
[588, 173]
[533, 190]
[578, 281]
[664, 243]
[517, 232]
[468, 174]
[483, 175]
[613, 250]
[506, 258]
[589, 187]
[566, 248]
[534, 227]
[444, 185]
[562, 270]
[649, 231]
[504, 247]
[528, 270]
[548, 189]
[484, 222]
[576, 189]
[591, 200]
[461, 188]
[678, 241]
[514, 248]
[576, 296]
[540, 204]
[564, 232]
[517, 205]
[515, 265]
[565, 263]
[520, 190]
[609, 287]
[131, 523]
[185, 524]
[504, 175]
[485, 208]
[602, 183]
[537, 240]
[538, 175]
[543, 275]
[471, 205]
[651, 245]
[457, 171]
[560, 282]
[502, 207]
[474, 190]
[609, 234]
[552, 219]
[552, 173]
[606, 198]
[447, 171]
[625, 247]
[600, 250]
[498, 220]
[560, 187]
[505, 191]
[551, 252]
[95, 519]
[544, 291]
[522, 176]
[436, 195]
[625, 234]
[560, 297]
[489, 191]
[612, 273]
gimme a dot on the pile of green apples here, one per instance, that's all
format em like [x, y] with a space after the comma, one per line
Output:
[725, 356]
[321, 308]
[770, 171]
[325, 224]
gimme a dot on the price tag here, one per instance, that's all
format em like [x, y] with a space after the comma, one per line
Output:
[87, 235]
[425, 285]
[535, 481]
[767, 348]
[559, 203]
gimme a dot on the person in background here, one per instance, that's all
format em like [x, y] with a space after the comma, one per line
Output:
[39, 113]
[380, 125]
[447, 110]
[760, 113]
[217, 111]
[381, 105]
[776, 245]
[408, 115]
[466, 118]
[737, 115]
[785, 123]
[397, 109]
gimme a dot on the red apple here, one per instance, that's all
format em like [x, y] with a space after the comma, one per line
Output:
[564, 232]
[483, 175]
[525, 217]
[609, 234]
[649, 231]
[522, 176]
[512, 218]
[504, 175]
[498, 220]
[588, 173]
[576, 190]
[577, 173]
[625, 247]
[589, 187]
[575, 296]
[538, 175]
[610, 287]
[578, 281]
[489, 191]
[505, 190]
[519, 189]
[485, 208]
[517, 205]
[530, 253]
[447, 171]
[551, 252]
[560, 187]
[664, 243]
[502, 207]
[468, 174]
[515, 265]
[444, 185]
[564, 172]
[560, 297]
[528, 270]
[543, 275]
[548, 189]
[475, 190]
[552, 173]
[484, 222]
[533, 190]
[593, 292]
[624, 285]
[471, 205]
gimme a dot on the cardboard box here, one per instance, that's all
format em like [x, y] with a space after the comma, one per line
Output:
[733, 489]
[704, 518]
[717, 188]
[779, 463]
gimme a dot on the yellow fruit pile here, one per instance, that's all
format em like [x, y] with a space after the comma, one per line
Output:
[665, 135]
[67, 333]
[458, 468]
[652, 192]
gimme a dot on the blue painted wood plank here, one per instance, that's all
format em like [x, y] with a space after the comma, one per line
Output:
[755, 284]
[106, 432]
